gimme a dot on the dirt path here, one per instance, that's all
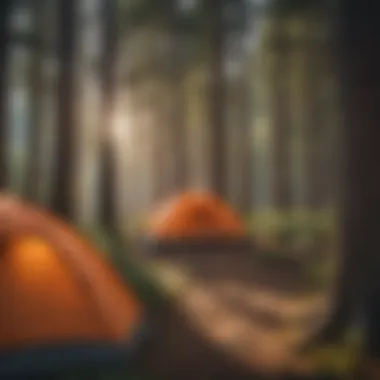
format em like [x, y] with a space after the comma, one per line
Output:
[228, 316]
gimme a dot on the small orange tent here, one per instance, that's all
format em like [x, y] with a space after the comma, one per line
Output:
[61, 303]
[195, 216]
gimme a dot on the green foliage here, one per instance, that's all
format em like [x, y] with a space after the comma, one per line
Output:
[116, 250]
[341, 358]
[302, 240]
[319, 274]
[294, 226]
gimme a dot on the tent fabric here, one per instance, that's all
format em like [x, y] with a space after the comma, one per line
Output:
[195, 215]
[55, 289]
[38, 362]
[44, 360]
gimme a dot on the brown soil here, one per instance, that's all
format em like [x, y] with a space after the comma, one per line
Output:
[229, 318]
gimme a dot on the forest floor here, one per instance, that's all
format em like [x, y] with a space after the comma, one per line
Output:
[228, 317]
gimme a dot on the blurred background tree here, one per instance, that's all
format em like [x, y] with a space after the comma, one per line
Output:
[139, 100]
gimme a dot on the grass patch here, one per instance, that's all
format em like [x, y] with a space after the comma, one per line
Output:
[342, 358]
[269, 221]
[299, 238]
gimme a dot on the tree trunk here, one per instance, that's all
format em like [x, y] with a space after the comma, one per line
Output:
[160, 132]
[179, 133]
[358, 69]
[359, 64]
[43, 104]
[246, 158]
[176, 161]
[108, 177]
[36, 98]
[5, 9]
[66, 123]
[315, 129]
[217, 36]
[281, 124]
[178, 126]
[240, 182]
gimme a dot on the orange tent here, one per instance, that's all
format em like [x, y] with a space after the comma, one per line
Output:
[195, 215]
[61, 303]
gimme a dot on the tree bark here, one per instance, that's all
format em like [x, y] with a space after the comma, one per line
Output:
[36, 95]
[359, 62]
[358, 49]
[108, 177]
[179, 132]
[314, 133]
[5, 9]
[246, 184]
[281, 126]
[66, 128]
[178, 126]
[217, 117]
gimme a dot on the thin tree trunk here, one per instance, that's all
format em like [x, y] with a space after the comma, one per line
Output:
[36, 100]
[178, 129]
[314, 129]
[244, 102]
[179, 135]
[169, 143]
[217, 94]
[108, 68]
[5, 9]
[239, 144]
[177, 138]
[66, 128]
[160, 137]
[246, 156]
[281, 124]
